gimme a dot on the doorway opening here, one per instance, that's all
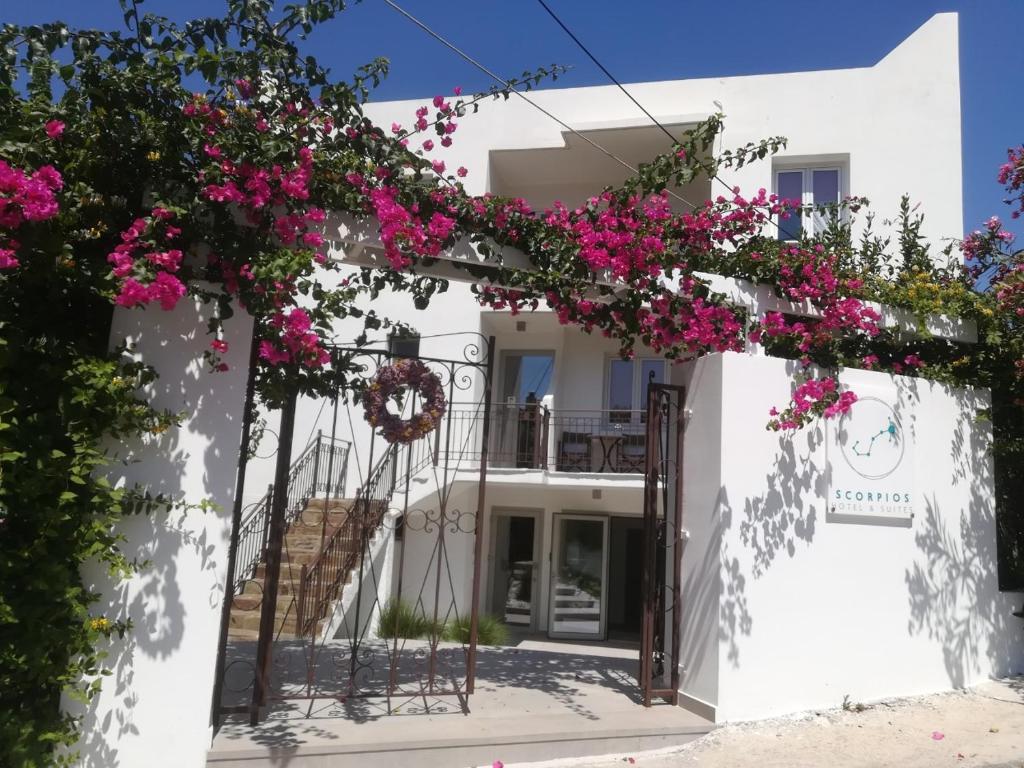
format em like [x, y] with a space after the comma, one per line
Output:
[513, 585]
[625, 578]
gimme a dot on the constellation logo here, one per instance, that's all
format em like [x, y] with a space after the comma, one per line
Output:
[874, 475]
[872, 440]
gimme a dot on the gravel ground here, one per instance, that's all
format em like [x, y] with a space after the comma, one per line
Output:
[982, 727]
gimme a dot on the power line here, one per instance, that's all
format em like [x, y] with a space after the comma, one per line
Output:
[629, 95]
[611, 77]
[506, 84]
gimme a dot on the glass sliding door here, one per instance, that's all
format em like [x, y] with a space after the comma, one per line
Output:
[579, 577]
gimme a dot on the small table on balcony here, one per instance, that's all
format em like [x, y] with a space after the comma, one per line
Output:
[606, 440]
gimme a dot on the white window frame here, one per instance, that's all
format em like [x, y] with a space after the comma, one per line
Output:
[806, 170]
[639, 402]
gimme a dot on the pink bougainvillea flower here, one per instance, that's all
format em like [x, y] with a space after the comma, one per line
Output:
[438, 166]
[167, 289]
[244, 88]
[132, 294]
[54, 129]
[462, 172]
[428, 145]
[457, 90]
[497, 764]
[913, 361]
[219, 345]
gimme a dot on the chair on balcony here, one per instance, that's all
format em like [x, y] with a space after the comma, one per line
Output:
[632, 454]
[574, 452]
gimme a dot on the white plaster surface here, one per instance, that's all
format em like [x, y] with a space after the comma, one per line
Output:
[811, 609]
[154, 710]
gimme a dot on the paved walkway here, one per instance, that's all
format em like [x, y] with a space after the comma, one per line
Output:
[534, 699]
[982, 728]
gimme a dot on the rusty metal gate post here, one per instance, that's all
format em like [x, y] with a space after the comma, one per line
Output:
[275, 540]
[217, 710]
[662, 536]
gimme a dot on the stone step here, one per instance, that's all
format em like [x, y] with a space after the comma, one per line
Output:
[492, 728]
[243, 635]
[312, 522]
[302, 545]
[315, 507]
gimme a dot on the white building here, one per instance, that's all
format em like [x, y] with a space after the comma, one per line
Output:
[800, 583]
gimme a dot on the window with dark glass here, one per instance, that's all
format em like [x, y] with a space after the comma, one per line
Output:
[627, 387]
[404, 344]
[807, 187]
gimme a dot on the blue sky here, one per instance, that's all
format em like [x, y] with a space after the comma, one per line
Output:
[660, 40]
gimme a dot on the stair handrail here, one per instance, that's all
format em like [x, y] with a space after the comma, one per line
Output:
[304, 480]
[343, 546]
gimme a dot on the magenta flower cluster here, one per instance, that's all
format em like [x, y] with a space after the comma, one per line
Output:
[145, 266]
[809, 274]
[1011, 175]
[387, 383]
[296, 341]
[24, 198]
[274, 200]
[812, 398]
[636, 242]
[984, 248]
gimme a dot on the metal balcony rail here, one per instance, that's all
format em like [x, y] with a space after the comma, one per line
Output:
[320, 469]
[531, 436]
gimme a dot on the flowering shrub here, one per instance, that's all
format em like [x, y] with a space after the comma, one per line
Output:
[389, 381]
[1011, 176]
[144, 271]
[24, 198]
[811, 399]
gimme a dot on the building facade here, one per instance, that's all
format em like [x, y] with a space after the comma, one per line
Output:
[809, 572]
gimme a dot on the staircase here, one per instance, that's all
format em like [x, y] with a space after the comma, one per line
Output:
[302, 544]
[322, 543]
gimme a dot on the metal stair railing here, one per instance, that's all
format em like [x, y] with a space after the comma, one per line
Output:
[320, 468]
[320, 581]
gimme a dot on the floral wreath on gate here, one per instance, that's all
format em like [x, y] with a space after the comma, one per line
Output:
[391, 379]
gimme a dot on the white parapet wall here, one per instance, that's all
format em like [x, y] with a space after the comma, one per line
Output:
[154, 710]
[822, 564]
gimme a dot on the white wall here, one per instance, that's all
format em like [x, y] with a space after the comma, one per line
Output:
[155, 708]
[434, 561]
[708, 617]
[812, 609]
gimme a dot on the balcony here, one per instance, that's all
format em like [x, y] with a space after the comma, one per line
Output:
[533, 436]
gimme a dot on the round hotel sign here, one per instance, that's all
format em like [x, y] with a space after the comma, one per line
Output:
[872, 439]
[871, 461]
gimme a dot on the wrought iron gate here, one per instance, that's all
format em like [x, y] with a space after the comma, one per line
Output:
[344, 627]
[663, 544]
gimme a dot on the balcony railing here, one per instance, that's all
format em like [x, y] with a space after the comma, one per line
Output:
[532, 436]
